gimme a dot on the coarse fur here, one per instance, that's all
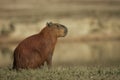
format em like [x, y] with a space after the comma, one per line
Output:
[33, 51]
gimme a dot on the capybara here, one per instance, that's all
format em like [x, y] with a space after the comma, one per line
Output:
[33, 51]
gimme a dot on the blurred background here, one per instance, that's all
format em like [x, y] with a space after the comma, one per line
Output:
[94, 29]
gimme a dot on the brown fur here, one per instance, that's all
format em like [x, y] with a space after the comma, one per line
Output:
[37, 49]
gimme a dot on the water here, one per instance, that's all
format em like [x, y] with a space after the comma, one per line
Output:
[104, 52]
[73, 53]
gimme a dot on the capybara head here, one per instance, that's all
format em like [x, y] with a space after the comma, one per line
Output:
[59, 29]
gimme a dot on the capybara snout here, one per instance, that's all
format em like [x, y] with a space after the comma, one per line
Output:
[65, 31]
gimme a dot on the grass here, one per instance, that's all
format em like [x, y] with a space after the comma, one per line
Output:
[63, 73]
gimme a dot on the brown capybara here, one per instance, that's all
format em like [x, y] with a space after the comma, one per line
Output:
[33, 51]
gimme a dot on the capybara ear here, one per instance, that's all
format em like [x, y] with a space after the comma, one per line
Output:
[49, 24]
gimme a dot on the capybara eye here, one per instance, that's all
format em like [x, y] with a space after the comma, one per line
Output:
[57, 26]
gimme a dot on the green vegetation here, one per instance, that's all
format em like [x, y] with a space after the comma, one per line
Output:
[63, 73]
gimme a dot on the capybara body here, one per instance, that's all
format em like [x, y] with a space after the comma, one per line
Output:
[33, 51]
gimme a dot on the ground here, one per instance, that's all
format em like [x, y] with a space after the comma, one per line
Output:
[64, 73]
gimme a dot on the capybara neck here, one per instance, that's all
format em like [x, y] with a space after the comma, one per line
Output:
[48, 31]
[47, 34]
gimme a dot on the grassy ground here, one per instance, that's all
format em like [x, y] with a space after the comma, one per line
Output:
[64, 73]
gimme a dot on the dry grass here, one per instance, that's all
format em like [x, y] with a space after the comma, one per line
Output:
[63, 73]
